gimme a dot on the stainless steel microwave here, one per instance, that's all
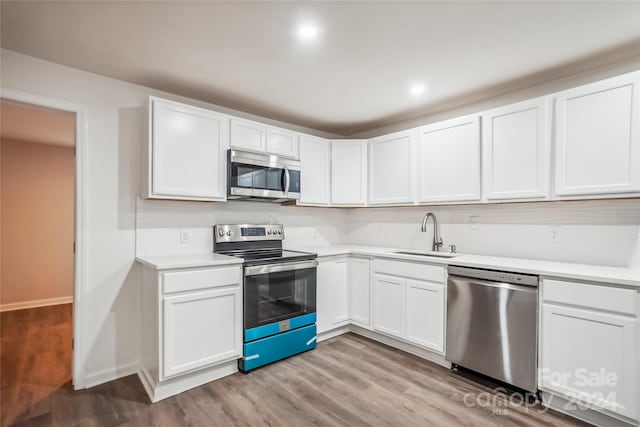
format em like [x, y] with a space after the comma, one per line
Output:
[262, 177]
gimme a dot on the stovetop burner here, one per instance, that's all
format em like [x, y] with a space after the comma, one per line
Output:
[256, 244]
[270, 257]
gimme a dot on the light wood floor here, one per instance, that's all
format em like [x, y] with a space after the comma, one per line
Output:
[35, 359]
[346, 381]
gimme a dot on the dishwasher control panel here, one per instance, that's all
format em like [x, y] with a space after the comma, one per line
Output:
[494, 275]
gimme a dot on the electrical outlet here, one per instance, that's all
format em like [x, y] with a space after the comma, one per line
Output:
[554, 234]
[185, 236]
[473, 222]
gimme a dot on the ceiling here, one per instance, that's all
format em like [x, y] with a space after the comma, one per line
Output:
[354, 77]
[30, 123]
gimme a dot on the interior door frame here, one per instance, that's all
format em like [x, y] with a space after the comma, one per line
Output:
[79, 350]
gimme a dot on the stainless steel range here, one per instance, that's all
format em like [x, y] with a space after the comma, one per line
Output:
[279, 292]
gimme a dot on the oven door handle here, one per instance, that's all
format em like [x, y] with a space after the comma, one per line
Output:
[277, 268]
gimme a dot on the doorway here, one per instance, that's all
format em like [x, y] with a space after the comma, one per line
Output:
[37, 254]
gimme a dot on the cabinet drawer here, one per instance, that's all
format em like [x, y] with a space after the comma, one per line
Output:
[189, 280]
[592, 296]
[432, 273]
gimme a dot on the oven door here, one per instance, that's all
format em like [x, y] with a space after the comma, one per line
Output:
[275, 293]
[259, 175]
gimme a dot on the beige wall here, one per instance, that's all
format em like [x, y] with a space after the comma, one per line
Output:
[37, 192]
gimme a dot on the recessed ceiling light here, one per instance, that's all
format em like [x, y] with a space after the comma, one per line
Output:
[417, 89]
[308, 32]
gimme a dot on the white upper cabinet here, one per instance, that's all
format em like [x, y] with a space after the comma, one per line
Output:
[449, 161]
[254, 136]
[248, 135]
[515, 148]
[282, 142]
[391, 168]
[597, 145]
[315, 161]
[348, 172]
[186, 152]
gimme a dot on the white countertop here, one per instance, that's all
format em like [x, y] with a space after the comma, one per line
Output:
[595, 273]
[166, 262]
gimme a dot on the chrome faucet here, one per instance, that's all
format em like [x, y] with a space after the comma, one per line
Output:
[437, 240]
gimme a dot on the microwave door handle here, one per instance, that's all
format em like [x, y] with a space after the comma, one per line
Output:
[287, 179]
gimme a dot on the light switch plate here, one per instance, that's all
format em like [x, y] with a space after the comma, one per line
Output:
[473, 222]
[185, 236]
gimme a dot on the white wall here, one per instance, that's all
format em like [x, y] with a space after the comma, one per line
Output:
[591, 232]
[159, 224]
[37, 224]
[114, 120]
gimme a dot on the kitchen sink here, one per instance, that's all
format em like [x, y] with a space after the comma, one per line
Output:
[429, 253]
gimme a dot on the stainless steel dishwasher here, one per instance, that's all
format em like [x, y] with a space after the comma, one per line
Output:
[492, 322]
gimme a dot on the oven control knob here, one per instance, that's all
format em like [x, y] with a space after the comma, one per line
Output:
[229, 233]
[268, 231]
[220, 233]
[279, 231]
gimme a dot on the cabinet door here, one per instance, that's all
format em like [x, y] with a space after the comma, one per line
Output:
[282, 142]
[425, 314]
[388, 305]
[188, 146]
[248, 135]
[349, 172]
[449, 161]
[390, 168]
[315, 162]
[591, 356]
[332, 294]
[359, 292]
[597, 145]
[200, 329]
[515, 146]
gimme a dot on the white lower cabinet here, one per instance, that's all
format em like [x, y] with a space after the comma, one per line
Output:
[388, 304]
[192, 327]
[359, 291]
[332, 305]
[590, 345]
[200, 328]
[407, 306]
[425, 313]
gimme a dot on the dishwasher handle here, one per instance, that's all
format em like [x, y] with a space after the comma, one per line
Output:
[493, 284]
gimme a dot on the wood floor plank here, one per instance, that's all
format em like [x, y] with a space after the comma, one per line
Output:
[347, 381]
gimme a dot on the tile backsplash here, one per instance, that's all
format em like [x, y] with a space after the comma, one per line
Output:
[591, 232]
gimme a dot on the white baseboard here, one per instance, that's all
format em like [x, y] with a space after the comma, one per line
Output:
[100, 377]
[429, 355]
[182, 383]
[35, 303]
[332, 333]
[591, 416]
[384, 339]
